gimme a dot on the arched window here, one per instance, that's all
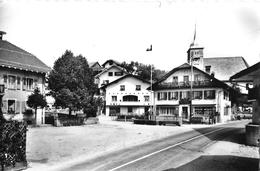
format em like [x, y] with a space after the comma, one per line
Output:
[130, 98]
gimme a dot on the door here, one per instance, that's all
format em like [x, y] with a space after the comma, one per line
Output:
[185, 112]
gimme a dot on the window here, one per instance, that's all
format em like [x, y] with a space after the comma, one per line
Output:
[209, 94]
[11, 82]
[130, 98]
[130, 109]
[184, 95]
[118, 73]
[105, 81]
[114, 98]
[226, 112]
[18, 83]
[162, 95]
[138, 87]
[146, 98]
[24, 83]
[197, 95]
[226, 95]
[29, 82]
[122, 87]
[186, 78]
[175, 79]
[206, 111]
[110, 73]
[196, 77]
[207, 68]
[35, 81]
[172, 95]
[11, 106]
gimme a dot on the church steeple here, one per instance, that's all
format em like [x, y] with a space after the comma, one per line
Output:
[195, 53]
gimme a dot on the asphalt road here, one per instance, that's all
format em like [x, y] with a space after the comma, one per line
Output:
[179, 152]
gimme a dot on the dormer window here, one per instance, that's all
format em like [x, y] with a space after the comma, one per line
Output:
[207, 69]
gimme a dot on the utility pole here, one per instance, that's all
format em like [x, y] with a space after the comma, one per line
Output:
[151, 82]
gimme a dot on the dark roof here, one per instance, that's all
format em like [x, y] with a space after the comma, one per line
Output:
[111, 60]
[126, 76]
[225, 67]
[15, 57]
[246, 71]
[217, 82]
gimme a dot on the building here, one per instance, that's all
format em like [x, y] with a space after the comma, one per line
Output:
[127, 95]
[20, 72]
[109, 74]
[209, 95]
[96, 67]
[252, 74]
[172, 94]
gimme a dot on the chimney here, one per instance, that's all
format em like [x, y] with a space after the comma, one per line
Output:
[1, 34]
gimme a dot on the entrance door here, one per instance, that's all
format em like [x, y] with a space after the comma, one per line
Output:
[185, 112]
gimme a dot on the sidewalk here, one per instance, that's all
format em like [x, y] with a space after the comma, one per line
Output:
[50, 148]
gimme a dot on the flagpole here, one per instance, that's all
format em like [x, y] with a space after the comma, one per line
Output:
[151, 83]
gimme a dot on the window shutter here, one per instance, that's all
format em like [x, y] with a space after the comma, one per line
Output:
[23, 106]
[4, 108]
[17, 107]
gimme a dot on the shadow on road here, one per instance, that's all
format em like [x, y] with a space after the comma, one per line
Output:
[231, 134]
[219, 162]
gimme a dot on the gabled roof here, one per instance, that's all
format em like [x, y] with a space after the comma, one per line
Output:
[111, 60]
[247, 71]
[187, 66]
[126, 76]
[225, 67]
[107, 69]
[15, 57]
[92, 64]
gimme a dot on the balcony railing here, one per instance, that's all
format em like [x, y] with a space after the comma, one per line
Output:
[186, 84]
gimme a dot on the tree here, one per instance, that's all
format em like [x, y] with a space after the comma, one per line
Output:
[72, 82]
[144, 71]
[35, 100]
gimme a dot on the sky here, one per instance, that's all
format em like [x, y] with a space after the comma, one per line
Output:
[123, 29]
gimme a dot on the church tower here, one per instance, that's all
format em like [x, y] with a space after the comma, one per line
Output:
[195, 54]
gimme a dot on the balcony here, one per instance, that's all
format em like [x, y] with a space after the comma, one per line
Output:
[186, 84]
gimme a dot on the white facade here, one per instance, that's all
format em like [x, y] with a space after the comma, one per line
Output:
[173, 94]
[109, 75]
[127, 96]
[18, 86]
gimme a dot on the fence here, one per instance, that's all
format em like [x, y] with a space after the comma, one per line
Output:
[12, 145]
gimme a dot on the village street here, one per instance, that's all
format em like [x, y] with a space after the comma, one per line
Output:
[125, 146]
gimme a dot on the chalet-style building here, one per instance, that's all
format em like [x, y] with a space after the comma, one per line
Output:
[20, 72]
[127, 95]
[96, 67]
[209, 95]
[193, 89]
[109, 74]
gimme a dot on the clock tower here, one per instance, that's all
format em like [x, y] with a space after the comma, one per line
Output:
[195, 54]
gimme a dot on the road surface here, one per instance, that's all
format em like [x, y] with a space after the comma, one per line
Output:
[184, 151]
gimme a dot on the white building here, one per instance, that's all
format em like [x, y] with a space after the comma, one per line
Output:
[109, 74]
[127, 95]
[209, 95]
[20, 73]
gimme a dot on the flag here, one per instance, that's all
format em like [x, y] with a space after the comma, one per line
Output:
[149, 49]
